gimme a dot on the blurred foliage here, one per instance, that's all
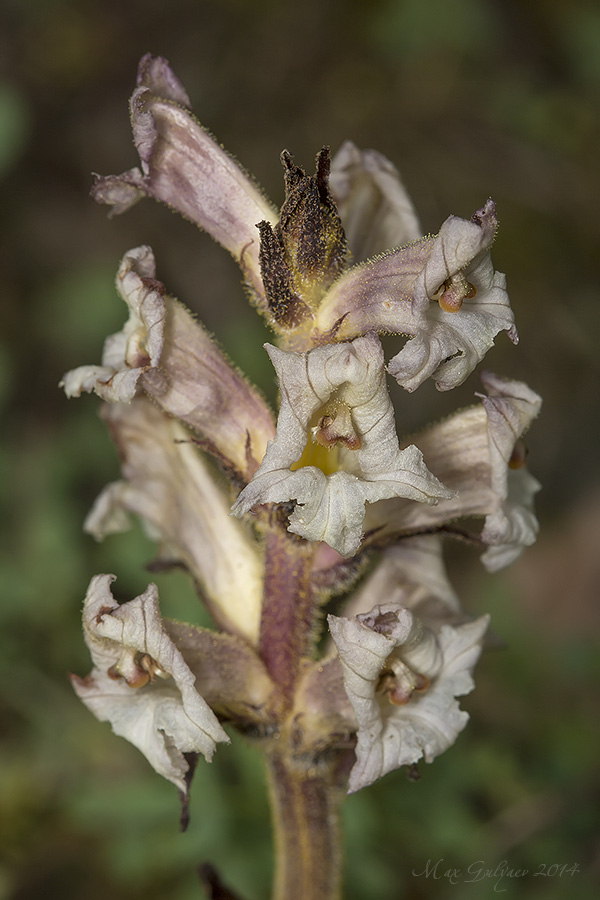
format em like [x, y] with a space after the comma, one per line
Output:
[468, 98]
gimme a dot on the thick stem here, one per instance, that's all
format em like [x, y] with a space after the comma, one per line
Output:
[307, 836]
[288, 611]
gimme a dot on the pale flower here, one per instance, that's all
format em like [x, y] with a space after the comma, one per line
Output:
[167, 483]
[412, 574]
[402, 679]
[373, 204]
[511, 525]
[141, 683]
[184, 167]
[478, 453]
[336, 447]
[165, 353]
[138, 346]
[441, 291]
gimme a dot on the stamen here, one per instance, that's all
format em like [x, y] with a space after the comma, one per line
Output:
[136, 669]
[336, 427]
[453, 291]
[518, 458]
[400, 683]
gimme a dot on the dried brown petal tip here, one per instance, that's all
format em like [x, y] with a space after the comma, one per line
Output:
[286, 307]
[307, 249]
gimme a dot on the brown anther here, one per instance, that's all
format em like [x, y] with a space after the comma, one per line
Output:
[397, 693]
[399, 696]
[151, 667]
[336, 427]
[135, 677]
[401, 683]
[451, 294]
[518, 458]
[138, 679]
[422, 682]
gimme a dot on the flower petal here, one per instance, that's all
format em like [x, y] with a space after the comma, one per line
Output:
[184, 167]
[169, 486]
[331, 507]
[395, 294]
[390, 735]
[510, 407]
[138, 346]
[375, 208]
[471, 453]
[141, 683]
[413, 575]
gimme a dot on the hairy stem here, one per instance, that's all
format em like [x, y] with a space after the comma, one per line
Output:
[305, 805]
[287, 622]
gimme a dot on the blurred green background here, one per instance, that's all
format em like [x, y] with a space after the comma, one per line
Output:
[469, 98]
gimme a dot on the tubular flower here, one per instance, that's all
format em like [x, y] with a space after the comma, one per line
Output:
[165, 353]
[479, 454]
[402, 679]
[336, 446]
[184, 167]
[442, 291]
[141, 683]
[170, 487]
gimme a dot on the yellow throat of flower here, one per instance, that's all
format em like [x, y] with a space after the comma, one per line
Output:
[331, 428]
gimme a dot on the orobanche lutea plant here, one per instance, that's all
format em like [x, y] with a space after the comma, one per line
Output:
[318, 503]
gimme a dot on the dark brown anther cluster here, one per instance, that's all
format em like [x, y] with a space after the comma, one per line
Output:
[303, 254]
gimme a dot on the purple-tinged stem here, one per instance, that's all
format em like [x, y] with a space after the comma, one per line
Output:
[287, 623]
[305, 805]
